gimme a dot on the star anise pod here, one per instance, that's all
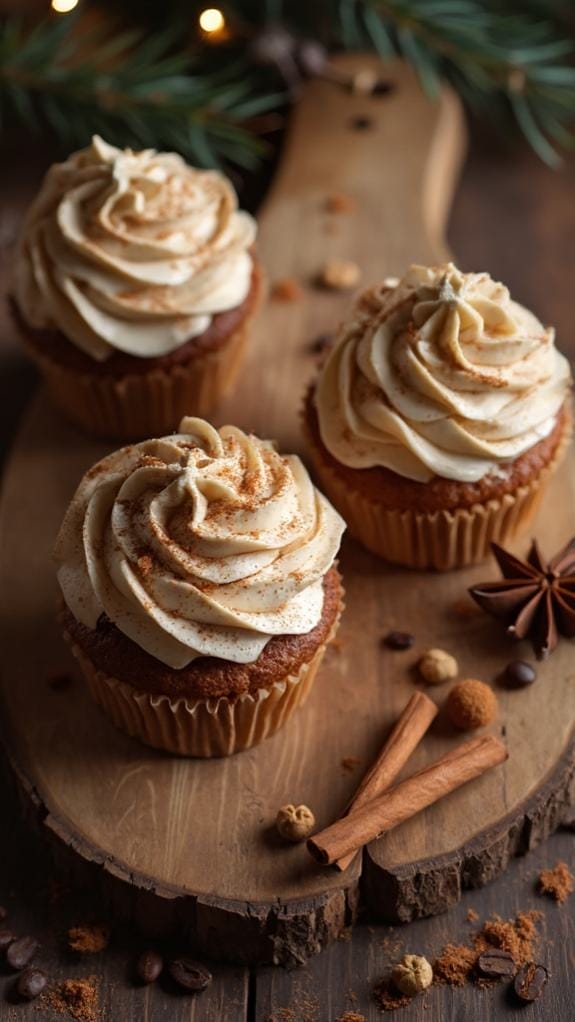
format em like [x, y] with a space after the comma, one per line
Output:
[535, 599]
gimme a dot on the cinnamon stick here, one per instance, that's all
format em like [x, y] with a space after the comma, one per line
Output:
[407, 798]
[404, 738]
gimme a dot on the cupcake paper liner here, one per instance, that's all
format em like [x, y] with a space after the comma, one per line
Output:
[441, 540]
[200, 727]
[144, 404]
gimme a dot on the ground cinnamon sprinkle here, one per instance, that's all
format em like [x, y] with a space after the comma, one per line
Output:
[388, 998]
[456, 963]
[286, 290]
[472, 916]
[89, 938]
[557, 882]
[75, 997]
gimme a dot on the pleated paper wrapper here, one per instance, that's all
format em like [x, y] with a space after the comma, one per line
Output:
[200, 727]
[441, 540]
[140, 405]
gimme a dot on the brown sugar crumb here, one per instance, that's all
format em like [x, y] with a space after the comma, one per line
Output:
[388, 998]
[339, 202]
[558, 882]
[349, 763]
[286, 290]
[456, 963]
[89, 938]
[471, 915]
[75, 997]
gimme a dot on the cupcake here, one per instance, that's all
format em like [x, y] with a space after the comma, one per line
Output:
[135, 284]
[200, 587]
[438, 417]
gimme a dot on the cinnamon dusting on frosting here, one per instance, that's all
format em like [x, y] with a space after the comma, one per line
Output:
[132, 252]
[205, 543]
[439, 374]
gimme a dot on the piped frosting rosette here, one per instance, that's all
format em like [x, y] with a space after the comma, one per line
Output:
[204, 543]
[132, 251]
[440, 374]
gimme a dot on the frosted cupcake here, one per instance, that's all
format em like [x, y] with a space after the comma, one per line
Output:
[135, 284]
[439, 417]
[199, 586]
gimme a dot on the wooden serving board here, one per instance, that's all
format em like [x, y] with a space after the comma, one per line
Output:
[187, 844]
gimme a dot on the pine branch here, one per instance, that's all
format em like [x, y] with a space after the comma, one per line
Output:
[514, 59]
[133, 90]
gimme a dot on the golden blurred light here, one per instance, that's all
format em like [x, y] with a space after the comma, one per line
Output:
[63, 6]
[212, 20]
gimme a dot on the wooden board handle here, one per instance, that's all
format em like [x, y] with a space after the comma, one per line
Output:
[401, 172]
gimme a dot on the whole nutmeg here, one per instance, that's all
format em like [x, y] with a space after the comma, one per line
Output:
[471, 704]
[295, 823]
[412, 975]
[437, 666]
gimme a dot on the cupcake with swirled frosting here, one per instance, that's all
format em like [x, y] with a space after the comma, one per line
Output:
[200, 588]
[438, 417]
[135, 283]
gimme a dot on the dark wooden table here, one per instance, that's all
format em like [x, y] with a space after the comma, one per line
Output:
[517, 219]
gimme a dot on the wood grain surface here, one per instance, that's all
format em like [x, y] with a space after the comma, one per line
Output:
[515, 217]
[199, 835]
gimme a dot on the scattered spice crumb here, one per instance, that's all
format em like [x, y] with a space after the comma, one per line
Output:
[351, 1016]
[349, 763]
[558, 882]
[472, 916]
[89, 938]
[388, 998]
[75, 997]
[346, 935]
[286, 290]
[465, 608]
[456, 963]
[339, 202]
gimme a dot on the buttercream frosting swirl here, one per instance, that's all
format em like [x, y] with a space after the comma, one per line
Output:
[204, 543]
[132, 251]
[439, 374]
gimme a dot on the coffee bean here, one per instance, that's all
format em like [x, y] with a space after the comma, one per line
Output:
[361, 124]
[31, 983]
[530, 982]
[496, 962]
[6, 938]
[519, 673]
[399, 640]
[322, 344]
[149, 966]
[190, 975]
[21, 952]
